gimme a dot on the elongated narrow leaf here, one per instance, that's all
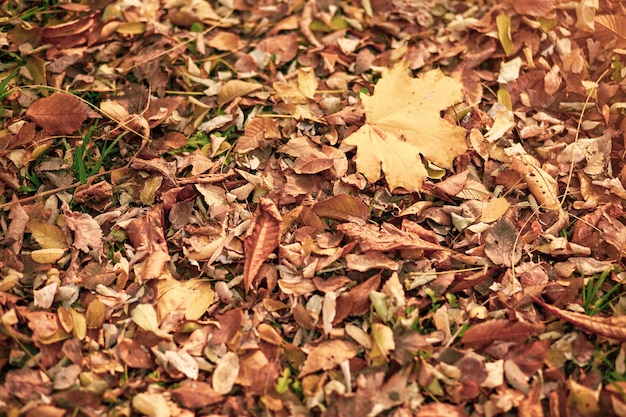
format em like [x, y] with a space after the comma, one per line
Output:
[611, 327]
[263, 239]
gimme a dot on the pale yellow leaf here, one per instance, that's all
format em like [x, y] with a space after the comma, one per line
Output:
[382, 343]
[44, 256]
[307, 82]
[225, 373]
[144, 316]
[403, 124]
[398, 159]
[151, 404]
[48, 235]
[193, 297]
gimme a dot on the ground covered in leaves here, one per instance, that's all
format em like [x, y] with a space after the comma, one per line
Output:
[305, 208]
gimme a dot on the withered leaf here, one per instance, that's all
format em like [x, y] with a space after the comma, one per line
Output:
[500, 244]
[134, 355]
[385, 238]
[483, 334]
[343, 207]
[262, 240]
[610, 327]
[87, 232]
[326, 355]
[60, 114]
[440, 409]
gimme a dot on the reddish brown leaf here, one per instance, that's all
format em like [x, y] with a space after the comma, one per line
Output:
[385, 238]
[611, 327]
[195, 394]
[262, 240]
[357, 301]
[440, 409]
[343, 207]
[134, 355]
[60, 114]
[483, 334]
[538, 8]
[147, 236]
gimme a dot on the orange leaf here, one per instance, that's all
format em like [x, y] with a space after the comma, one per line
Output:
[611, 327]
[60, 114]
[262, 240]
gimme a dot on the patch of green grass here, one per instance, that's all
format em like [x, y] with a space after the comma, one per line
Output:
[598, 293]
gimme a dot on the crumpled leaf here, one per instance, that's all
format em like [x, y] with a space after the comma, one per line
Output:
[403, 123]
[262, 240]
[60, 114]
[87, 232]
[610, 327]
[148, 238]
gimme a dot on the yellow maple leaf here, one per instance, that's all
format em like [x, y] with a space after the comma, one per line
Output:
[403, 124]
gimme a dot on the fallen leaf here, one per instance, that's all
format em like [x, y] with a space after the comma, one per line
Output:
[262, 240]
[193, 297]
[236, 88]
[60, 114]
[225, 373]
[403, 124]
[48, 235]
[440, 409]
[87, 231]
[343, 207]
[151, 404]
[44, 256]
[326, 355]
[483, 334]
[610, 327]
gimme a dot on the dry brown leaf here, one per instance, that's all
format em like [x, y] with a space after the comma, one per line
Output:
[257, 131]
[610, 327]
[440, 409]
[385, 238]
[134, 355]
[500, 244]
[403, 123]
[610, 29]
[263, 238]
[326, 355]
[536, 8]
[236, 88]
[343, 207]
[87, 231]
[48, 235]
[483, 334]
[147, 236]
[60, 114]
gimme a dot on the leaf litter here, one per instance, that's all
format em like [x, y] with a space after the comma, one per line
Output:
[287, 208]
